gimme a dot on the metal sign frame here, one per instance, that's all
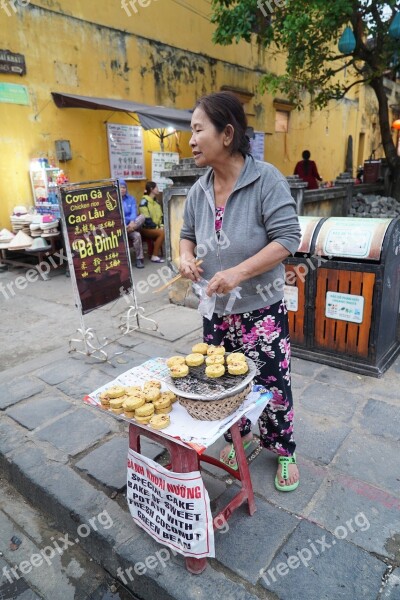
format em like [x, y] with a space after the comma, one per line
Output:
[87, 336]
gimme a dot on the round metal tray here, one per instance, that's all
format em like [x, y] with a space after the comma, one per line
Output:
[196, 386]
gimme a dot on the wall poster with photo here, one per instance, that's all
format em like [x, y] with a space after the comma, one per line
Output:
[125, 150]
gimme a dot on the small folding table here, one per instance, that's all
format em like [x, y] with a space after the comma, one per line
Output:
[186, 453]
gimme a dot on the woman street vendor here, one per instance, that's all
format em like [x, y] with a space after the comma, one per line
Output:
[248, 203]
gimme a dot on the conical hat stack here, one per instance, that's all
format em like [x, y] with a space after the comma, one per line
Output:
[21, 241]
[39, 245]
[6, 238]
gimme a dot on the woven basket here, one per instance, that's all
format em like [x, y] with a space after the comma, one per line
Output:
[214, 410]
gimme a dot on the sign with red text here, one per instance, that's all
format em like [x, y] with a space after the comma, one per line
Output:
[96, 235]
[125, 149]
[174, 508]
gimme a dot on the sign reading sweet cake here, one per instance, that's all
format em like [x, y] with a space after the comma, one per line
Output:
[174, 508]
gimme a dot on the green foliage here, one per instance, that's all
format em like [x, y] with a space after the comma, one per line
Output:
[307, 31]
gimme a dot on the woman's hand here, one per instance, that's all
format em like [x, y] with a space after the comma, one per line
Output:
[189, 269]
[224, 282]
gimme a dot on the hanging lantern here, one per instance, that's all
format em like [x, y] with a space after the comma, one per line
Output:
[396, 124]
[347, 42]
[394, 29]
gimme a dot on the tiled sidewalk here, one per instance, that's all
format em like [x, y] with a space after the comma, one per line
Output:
[336, 538]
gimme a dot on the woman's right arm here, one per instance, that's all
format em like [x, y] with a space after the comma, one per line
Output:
[187, 264]
[187, 243]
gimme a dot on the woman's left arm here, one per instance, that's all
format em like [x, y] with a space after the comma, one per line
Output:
[267, 259]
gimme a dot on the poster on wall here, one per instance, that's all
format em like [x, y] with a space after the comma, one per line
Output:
[174, 508]
[95, 237]
[162, 161]
[125, 150]
[257, 145]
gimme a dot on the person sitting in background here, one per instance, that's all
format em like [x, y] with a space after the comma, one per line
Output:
[307, 170]
[133, 222]
[153, 227]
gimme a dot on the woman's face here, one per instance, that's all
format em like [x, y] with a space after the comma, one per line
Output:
[207, 144]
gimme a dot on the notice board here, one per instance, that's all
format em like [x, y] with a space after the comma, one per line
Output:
[95, 235]
[162, 161]
[125, 150]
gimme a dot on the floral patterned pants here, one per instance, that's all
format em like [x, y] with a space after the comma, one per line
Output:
[263, 335]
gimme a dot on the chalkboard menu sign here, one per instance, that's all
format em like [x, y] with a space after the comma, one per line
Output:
[96, 234]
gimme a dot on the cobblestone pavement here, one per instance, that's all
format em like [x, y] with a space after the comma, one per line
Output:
[336, 538]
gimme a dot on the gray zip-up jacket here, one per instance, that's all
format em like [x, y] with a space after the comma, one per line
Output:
[260, 210]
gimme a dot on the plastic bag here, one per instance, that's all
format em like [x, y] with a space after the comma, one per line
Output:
[207, 303]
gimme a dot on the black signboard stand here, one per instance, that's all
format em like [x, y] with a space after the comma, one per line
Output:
[98, 254]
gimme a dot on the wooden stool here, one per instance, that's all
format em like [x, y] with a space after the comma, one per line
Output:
[150, 246]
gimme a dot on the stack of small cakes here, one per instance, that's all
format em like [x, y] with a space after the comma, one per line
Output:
[110, 398]
[177, 366]
[237, 364]
[214, 359]
[147, 405]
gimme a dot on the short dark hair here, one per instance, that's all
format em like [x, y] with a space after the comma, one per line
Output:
[306, 155]
[224, 108]
[150, 185]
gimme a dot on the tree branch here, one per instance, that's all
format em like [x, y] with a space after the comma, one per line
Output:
[358, 82]
[342, 67]
[358, 26]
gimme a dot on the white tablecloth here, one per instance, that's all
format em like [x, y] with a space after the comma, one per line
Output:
[196, 433]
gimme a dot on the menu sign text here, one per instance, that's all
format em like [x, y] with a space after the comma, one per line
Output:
[94, 222]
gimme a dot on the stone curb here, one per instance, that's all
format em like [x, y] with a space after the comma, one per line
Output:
[61, 494]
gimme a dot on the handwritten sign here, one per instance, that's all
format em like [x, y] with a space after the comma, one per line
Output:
[174, 508]
[94, 223]
[125, 148]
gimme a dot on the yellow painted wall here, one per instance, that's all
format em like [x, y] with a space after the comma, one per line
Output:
[160, 55]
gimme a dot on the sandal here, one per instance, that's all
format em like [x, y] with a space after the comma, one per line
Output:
[284, 461]
[231, 457]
